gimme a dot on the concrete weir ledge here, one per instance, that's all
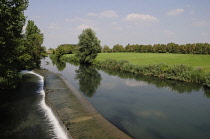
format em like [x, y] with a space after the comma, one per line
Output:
[75, 113]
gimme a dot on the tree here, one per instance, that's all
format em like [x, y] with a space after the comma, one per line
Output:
[89, 46]
[106, 49]
[59, 51]
[118, 48]
[33, 46]
[11, 40]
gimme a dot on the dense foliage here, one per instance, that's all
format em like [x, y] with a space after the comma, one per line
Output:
[11, 39]
[65, 49]
[88, 46]
[32, 51]
[197, 48]
[118, 48]
[106, 49]
[17, 51]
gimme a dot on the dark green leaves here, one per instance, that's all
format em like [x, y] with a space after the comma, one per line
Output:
[89, 46]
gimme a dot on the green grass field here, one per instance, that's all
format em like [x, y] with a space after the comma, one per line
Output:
[194, 60]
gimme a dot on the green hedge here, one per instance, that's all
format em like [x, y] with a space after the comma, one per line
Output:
[162, 70]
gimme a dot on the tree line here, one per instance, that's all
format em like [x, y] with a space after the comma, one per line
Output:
[19, 50]
[196, 48]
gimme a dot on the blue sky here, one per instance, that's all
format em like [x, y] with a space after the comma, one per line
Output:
[122, 21]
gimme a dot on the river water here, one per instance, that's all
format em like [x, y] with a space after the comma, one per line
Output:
[143, 107]
[24, 113]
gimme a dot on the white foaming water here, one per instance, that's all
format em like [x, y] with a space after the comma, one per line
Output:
[56, 127]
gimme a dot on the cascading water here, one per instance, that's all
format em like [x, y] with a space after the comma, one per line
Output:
[56, 127]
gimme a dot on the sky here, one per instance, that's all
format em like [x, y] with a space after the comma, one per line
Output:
[122, 21]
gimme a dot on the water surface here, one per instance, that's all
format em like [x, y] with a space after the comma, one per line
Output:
[144, 107]
[24, 113]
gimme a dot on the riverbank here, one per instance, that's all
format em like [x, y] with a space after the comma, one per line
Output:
[179, 72]
[77, 114]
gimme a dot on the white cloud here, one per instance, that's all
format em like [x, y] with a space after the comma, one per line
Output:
[141, 18]
[83, 26]
[175, 12]
[92, 14]
[107, 14]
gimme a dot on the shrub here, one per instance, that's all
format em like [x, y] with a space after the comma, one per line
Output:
[207, 79]
[10, 80]
[162, 70]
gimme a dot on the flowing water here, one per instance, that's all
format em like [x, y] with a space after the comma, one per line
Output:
[25, 115]
[143, 107]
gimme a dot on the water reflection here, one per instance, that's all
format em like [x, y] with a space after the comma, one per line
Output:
[180, 87]
[206, 91]
[143, 106]
[89, 79]
[59, 64]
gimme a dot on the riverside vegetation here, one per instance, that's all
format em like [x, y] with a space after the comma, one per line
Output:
[19, 50]
[180, 72]
[187, 63]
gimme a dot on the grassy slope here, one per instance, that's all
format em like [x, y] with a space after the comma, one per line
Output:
[155, 58]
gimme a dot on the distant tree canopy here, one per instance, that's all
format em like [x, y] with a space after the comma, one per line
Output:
[65, 49]
[196, 48]
[118, 48]
[106, 49]
[88, 46]
[17, 50]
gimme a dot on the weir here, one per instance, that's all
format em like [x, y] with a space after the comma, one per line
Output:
[57, 128]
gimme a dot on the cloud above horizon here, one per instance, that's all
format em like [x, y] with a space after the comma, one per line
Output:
[175, 12]
[122, 22]
[107, 14]
[140, 18]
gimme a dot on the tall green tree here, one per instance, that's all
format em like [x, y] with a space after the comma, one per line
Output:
[11, 39]
[89, 46]
[33, 50]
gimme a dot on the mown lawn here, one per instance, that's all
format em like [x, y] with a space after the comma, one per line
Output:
[194, 60]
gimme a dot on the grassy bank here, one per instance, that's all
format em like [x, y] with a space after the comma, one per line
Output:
[181, 67]
[193, 60]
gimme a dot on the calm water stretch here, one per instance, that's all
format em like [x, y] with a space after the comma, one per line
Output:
[143, 107]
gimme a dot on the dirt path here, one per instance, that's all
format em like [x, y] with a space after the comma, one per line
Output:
[75, 111]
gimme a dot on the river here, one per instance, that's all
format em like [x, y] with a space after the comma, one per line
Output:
[143, 107]
[24, 113]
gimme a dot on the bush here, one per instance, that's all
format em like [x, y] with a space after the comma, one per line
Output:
[207, 79]
[162, 70]
[11, 80]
